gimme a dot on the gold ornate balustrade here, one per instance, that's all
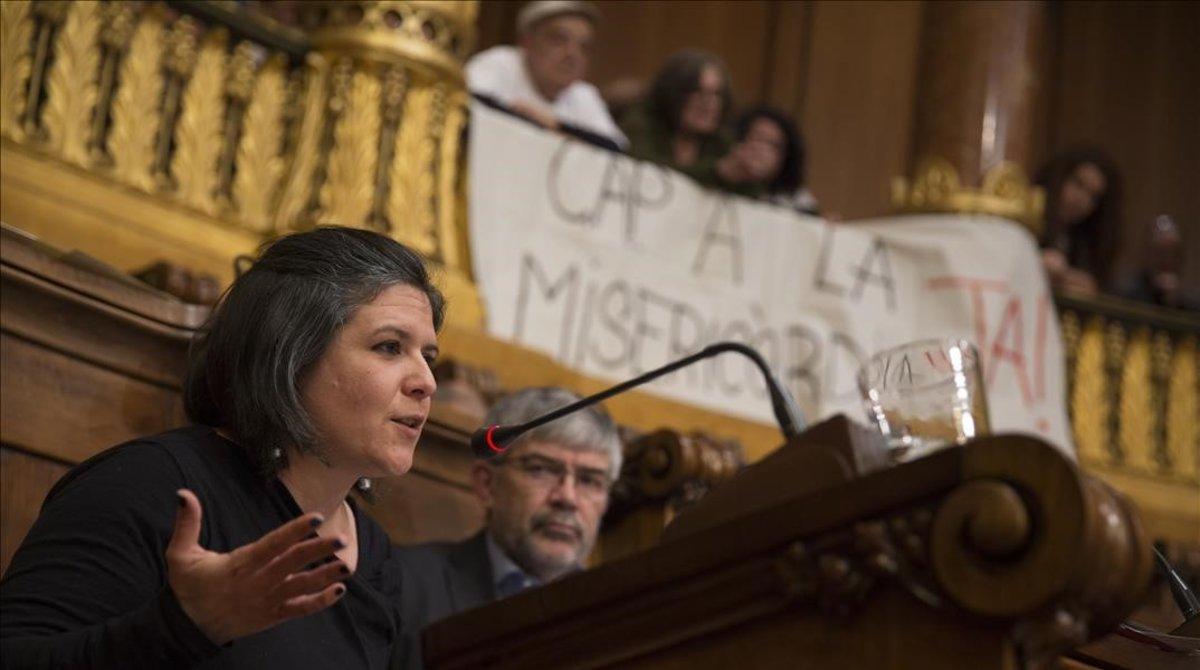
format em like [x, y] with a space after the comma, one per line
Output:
[192, 131]
[1134, 400]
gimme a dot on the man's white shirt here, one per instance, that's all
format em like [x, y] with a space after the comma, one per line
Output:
[500, 73]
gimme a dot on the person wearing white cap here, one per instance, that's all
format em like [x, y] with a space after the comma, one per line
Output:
[542, 78]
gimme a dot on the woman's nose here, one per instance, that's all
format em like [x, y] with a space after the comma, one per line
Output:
[421, 382]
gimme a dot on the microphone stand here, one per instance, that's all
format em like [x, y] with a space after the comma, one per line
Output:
[493, 440]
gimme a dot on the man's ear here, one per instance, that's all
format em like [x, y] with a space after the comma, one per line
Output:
[482, 476]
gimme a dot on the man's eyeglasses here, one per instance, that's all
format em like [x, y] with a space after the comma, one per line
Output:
[546, 473]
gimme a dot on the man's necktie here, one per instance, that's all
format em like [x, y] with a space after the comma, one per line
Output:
[512, 584]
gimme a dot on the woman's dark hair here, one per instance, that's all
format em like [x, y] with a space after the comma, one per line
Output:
[1091, 244]
[276, 321]
[679, 78]
[790, 177]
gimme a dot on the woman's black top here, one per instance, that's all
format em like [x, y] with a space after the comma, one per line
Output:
[88, 586]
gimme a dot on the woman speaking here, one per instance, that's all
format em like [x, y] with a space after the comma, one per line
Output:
[232, 542]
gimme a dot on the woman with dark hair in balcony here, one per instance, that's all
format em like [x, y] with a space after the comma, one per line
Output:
[773, 153]
[682, 122]
[312, 373]
[1080, 236]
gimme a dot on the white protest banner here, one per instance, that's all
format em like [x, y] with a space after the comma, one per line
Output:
[614, 267]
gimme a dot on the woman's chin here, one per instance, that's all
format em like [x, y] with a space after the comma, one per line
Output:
[399, 461]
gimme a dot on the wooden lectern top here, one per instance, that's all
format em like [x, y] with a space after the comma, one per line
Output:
[989, 555]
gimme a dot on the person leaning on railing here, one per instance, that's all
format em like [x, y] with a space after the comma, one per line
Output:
[1080, 238]
[682, 123]
[771, 154]
[542, 78]
[1159, 277]
[312, 373]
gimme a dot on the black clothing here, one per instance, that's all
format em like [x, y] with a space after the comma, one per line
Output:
[445, 578]
[88, 586]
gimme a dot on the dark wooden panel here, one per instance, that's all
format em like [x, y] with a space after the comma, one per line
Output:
[24, 481]
[634, 38]
[419, 508]
[858, 105]
[89, 278]
[788, 55]
[89, 329]
[1128, 79]
[68, 409]
[496, 23]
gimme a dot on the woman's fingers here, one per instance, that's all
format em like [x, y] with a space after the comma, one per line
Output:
[186, 535]
[312, 581]
[299, 555]
[312, 603]
[269, 546]
[257, 585]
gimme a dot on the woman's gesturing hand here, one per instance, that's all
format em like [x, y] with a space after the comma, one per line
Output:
[255, 586]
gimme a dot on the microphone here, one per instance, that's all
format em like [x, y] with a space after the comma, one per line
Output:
[491, 441]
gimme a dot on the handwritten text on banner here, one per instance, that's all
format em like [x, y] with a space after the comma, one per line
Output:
[614, 267]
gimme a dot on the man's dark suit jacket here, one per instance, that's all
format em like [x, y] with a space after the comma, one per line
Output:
[439, 579]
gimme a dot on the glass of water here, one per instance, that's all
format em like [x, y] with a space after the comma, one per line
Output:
[925, 395]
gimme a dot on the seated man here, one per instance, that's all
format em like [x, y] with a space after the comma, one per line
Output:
[542, 79]
[544, 500]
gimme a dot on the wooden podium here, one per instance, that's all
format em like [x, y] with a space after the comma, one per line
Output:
[999, 554]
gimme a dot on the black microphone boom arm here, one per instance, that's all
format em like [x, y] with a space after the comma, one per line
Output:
[494, 440]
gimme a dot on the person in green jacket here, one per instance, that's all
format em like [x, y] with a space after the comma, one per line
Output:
[682, 123]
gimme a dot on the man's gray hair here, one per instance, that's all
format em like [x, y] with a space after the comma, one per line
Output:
[589, 429]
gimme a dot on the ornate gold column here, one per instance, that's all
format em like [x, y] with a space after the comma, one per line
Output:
[974, 116]
[386, 150]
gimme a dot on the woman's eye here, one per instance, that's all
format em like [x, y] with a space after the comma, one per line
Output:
[390, 347]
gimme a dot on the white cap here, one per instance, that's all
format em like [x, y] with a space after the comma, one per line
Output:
[535, 12]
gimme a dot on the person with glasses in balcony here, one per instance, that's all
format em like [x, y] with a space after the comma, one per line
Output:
[544, 500]
[682, 123]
